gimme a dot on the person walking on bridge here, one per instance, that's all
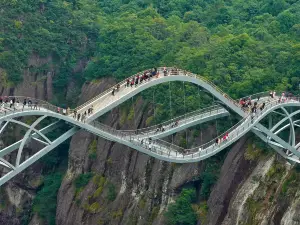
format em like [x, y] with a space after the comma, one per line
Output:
[92, 109]
[75, 114]
[24, 103]
[132, 82]
[271, 94]
[137, 80]
[35, 105]
[11, 103]
[262, 107]
[30, 103]
[127, 83]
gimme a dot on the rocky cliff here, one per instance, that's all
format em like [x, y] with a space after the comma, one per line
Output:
[127, 187]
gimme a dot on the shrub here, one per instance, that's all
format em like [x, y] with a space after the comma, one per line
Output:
[201, 210]
[111, 196]
[117, 214]
[181, 212]
[82, 180]
[93, 150]
[44, 204]
[209, 177]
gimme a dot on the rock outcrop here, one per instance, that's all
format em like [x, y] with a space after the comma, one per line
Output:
[128, 187]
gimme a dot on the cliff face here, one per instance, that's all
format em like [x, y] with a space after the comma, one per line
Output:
[128, 187]
[248, 191]
[36, 83]
[17, 195]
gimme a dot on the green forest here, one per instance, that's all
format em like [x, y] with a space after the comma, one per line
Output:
[244, 47]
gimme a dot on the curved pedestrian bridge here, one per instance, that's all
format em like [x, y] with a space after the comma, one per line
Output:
[147, 140]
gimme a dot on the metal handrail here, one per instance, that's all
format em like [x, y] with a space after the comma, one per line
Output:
[179, 119]
[109, 90]
[164, 148]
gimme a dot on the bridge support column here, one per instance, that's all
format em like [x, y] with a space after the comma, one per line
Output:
[270, 121]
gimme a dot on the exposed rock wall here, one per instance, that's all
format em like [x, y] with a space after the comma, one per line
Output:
[144, 186]
[36, 83]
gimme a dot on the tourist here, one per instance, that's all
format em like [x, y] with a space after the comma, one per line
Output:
[24, 103]
[132, 82]
[262, 107]
[113, 92]
[64, 111]
[35, 105]
[68, 111]
[271, 94]
[127, 83]
[78, 117]
[83, 117]
[150, 146]
[58, 110]
[75, 113]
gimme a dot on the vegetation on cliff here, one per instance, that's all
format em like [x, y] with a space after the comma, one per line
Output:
[243, 47]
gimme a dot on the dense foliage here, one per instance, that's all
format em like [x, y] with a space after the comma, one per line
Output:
[82, 180]
[244, 47]
[44, 204]
[181, 212]
[44, 29]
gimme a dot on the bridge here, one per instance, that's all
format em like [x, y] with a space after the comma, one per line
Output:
[286, 110]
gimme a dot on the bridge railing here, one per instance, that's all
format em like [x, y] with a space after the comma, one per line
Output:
[6, 108]
[238, 129]
[177, 120]
[162, 147]
[171, 71]
[108, 91]
[165, 148]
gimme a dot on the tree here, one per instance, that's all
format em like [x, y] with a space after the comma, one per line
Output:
[181, 212]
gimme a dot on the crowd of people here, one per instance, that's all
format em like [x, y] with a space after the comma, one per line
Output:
[224, 138]
[13, 103]
[252, 107]
[161, 128]
[83, 116]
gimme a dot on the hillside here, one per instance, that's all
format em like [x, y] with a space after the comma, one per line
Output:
[68, 51]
